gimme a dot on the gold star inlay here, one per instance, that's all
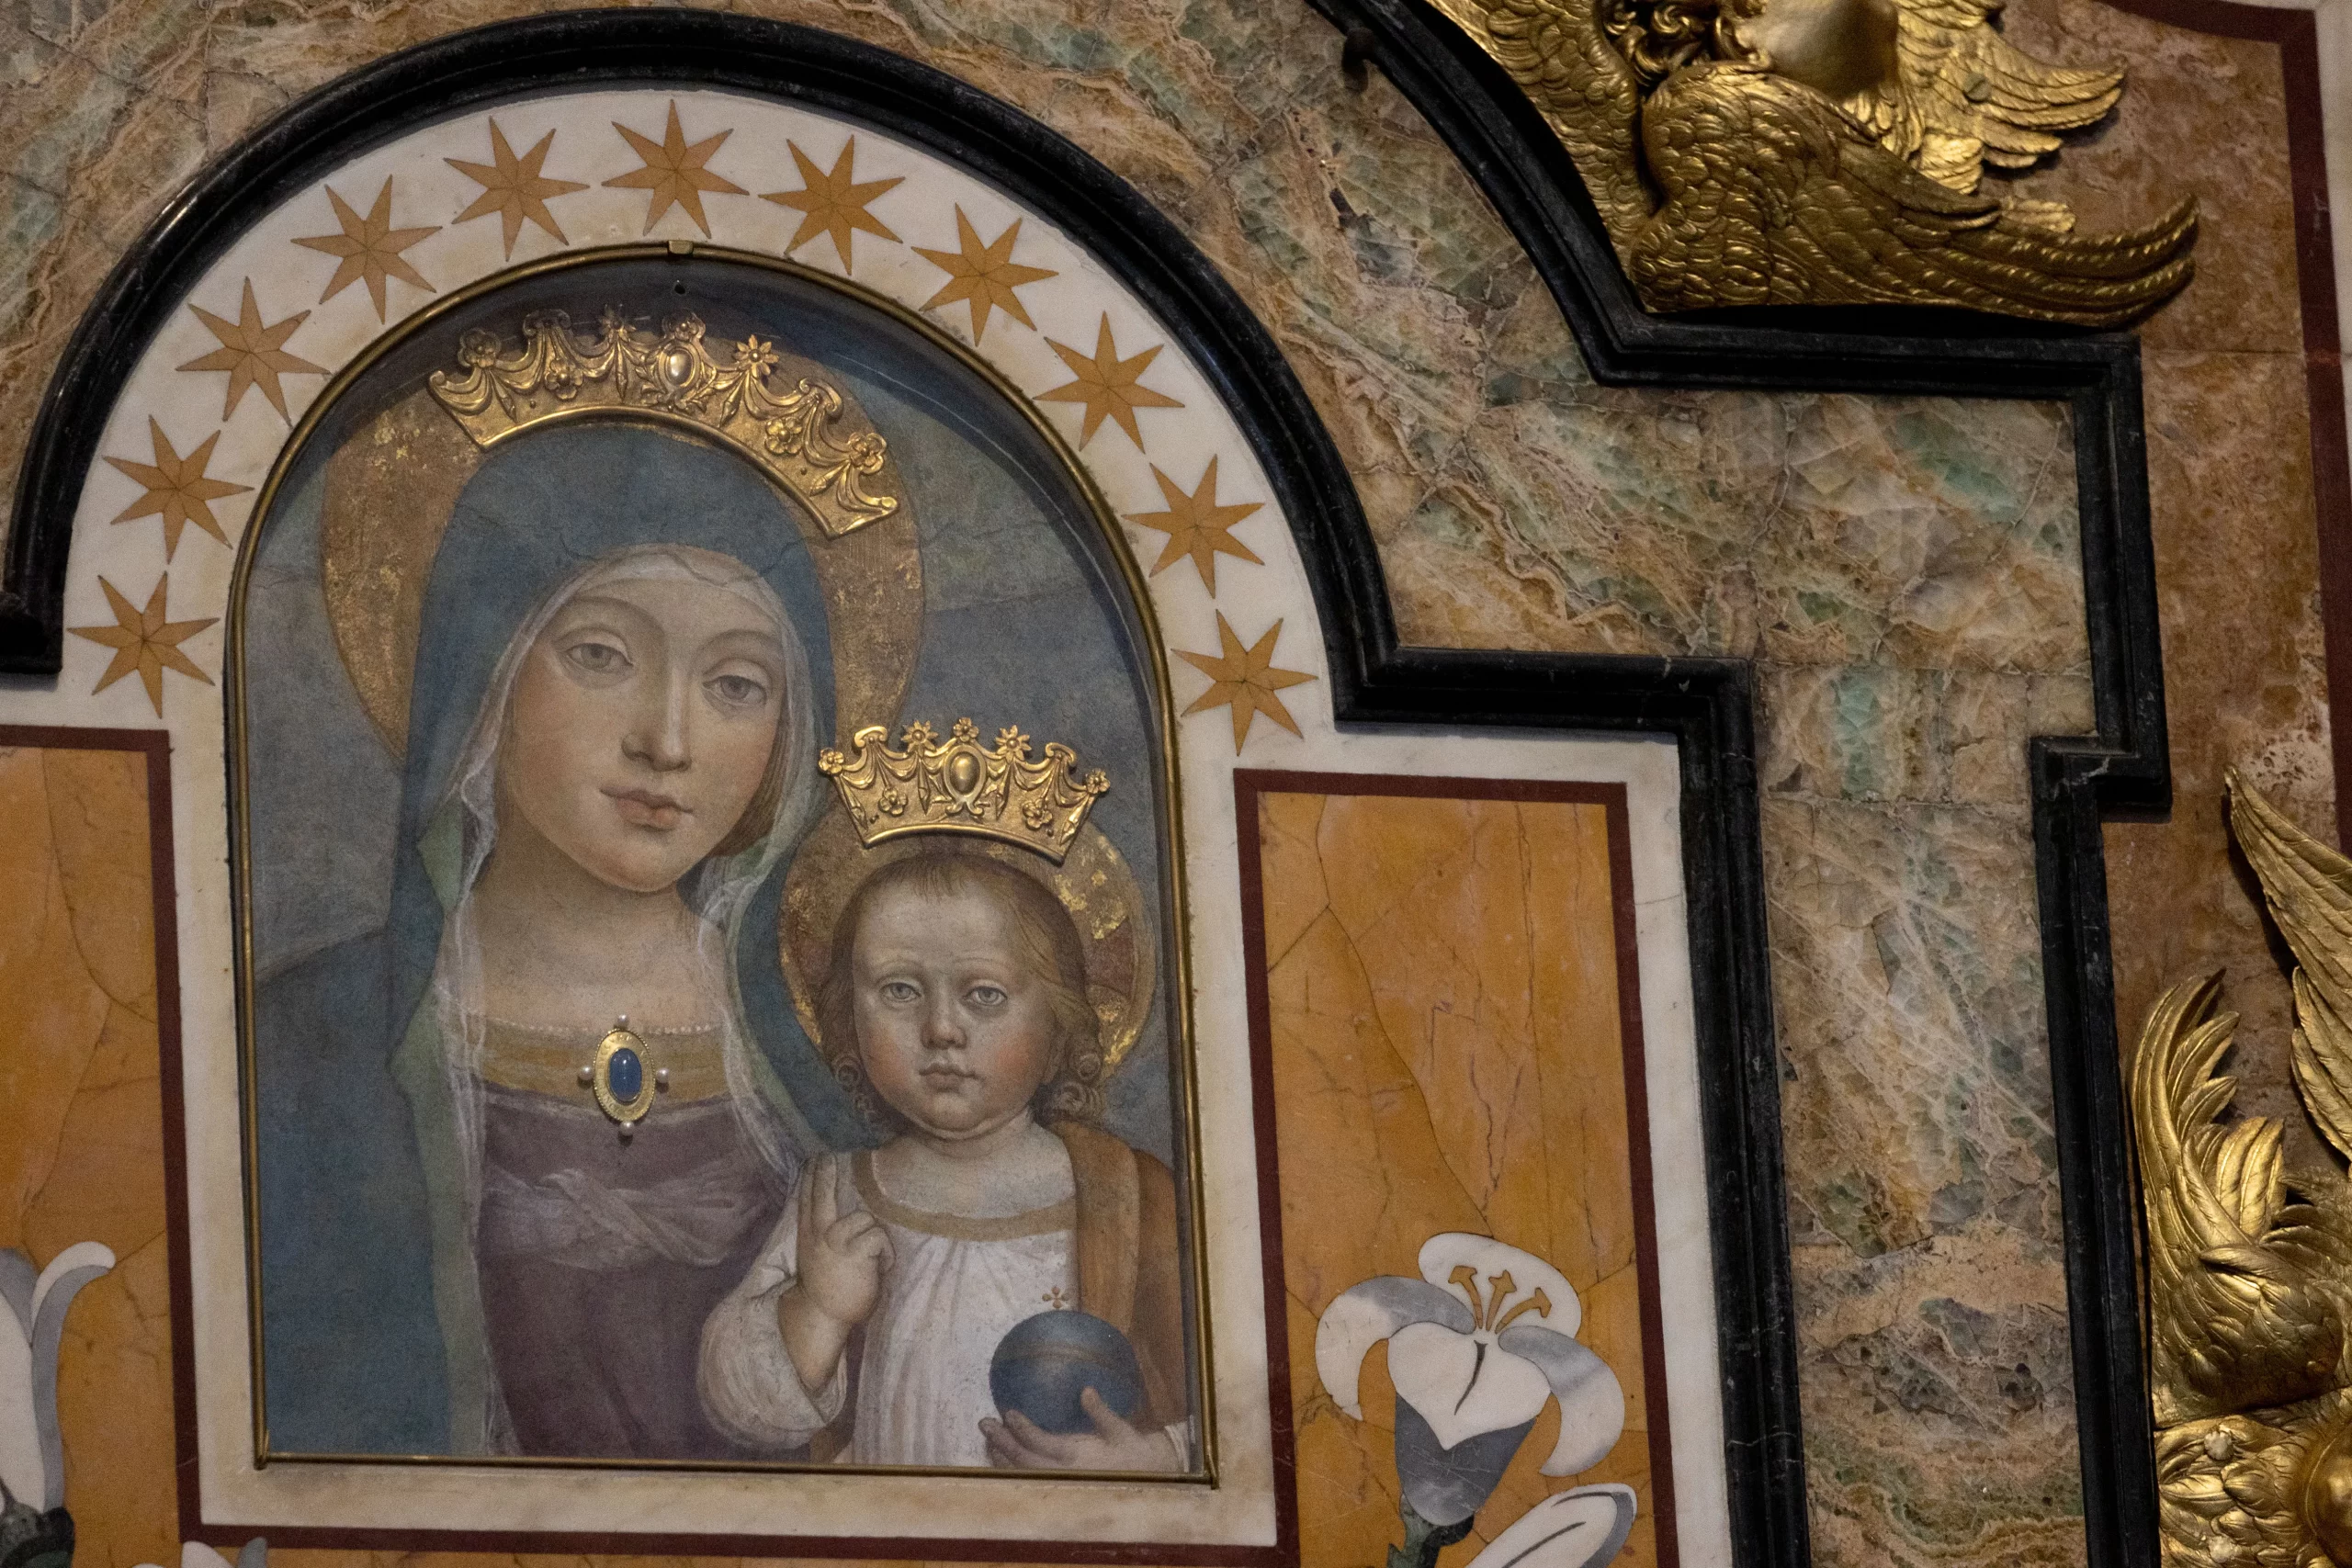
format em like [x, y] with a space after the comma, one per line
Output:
[1107, 385]
[253, 354]
[369, 248]
[673, 172]
[982, 278]
[1196, 526]
[1245, 681]
[177, 489]
[832, 202]
[514, 189]
[143, 640]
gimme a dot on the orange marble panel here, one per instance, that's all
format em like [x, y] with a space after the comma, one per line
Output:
[1444, 1011]
[84, 1158]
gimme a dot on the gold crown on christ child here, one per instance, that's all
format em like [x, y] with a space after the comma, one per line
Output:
[957, 786]
[804, 436]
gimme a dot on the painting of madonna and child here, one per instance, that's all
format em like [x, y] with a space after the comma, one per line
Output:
[706, 890]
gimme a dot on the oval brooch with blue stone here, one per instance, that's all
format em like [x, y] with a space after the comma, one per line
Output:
[619, 1076]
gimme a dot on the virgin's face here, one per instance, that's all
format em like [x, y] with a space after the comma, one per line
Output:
[641, 726]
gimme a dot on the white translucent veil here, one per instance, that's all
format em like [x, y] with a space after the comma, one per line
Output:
[720, 889]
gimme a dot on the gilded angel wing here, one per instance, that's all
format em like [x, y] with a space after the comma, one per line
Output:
[1965, 96]
[2249, 1294]
[2242, 1316]
[2309, 889]
[1561, 58]
[1774, 195]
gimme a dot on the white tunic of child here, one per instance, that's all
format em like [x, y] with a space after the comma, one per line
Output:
[954, 1286]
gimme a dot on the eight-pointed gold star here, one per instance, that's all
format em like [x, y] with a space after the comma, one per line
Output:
[177, 489]
[982, 278]
[144, 641]
[1107, 385]
[673, 172]
[253, 354]
[832, 202]
[1245, 681]
[514, 189]
[369, 248]
[1196, 526]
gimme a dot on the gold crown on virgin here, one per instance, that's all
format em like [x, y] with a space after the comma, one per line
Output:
[816, 445]
[957, 786]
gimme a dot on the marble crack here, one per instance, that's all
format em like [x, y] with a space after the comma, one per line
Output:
[1275, 961]
[131, 85]
[73, 921]
[30, 184]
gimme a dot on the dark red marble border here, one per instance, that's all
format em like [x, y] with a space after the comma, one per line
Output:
[1248, 786]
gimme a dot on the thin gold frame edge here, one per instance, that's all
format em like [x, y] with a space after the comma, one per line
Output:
[240, 869]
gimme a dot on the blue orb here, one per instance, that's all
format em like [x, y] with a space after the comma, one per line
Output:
[1044, 1363]
[624, 1075]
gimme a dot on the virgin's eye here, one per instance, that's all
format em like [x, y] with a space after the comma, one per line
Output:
[987, 996]
[901, 991]
[597, 658]
[736, 691]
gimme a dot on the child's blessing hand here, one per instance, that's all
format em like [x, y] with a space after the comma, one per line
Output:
[1018, 1443]
[842, 1255]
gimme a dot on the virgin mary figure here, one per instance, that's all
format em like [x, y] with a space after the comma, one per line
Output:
[622, 675]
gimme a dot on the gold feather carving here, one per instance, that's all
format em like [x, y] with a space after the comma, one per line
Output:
[1827, 152]
[2250, 1264]
[2308, 887]
[1583, 87]
[1965, 96]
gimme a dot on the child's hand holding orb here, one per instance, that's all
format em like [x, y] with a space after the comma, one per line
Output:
[1018, 1443]
[1067, 1385]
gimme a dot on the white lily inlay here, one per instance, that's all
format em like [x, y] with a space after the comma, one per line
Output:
[32, 1454]
[195, 1554]
[1582, 1527]
[1479, 1344]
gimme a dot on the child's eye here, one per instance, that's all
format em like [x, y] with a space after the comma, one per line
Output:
[987, 996]
[900, 991]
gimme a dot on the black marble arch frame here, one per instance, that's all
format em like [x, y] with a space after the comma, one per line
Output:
[1706, 705]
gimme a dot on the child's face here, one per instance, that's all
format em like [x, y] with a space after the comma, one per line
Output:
[956, 1030]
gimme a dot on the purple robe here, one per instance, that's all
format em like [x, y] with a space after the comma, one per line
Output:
[600, 1258]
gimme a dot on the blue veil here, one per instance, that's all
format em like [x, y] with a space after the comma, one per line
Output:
[372, 1315]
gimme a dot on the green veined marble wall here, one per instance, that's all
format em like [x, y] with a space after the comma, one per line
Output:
[1905, 571]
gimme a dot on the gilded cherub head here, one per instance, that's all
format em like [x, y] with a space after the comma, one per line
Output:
[1839, 48]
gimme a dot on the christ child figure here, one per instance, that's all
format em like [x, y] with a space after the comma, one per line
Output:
[956, 1008]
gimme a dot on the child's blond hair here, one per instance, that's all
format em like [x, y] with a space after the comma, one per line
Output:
[1045, 939]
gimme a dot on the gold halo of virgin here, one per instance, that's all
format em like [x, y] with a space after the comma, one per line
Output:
[392, 487]
[392, 491]
[378, 537]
